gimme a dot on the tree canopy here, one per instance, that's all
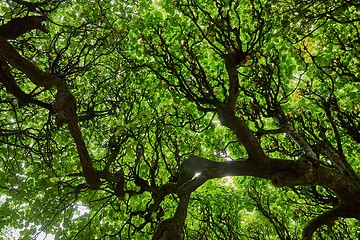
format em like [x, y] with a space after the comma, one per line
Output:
[181, 119]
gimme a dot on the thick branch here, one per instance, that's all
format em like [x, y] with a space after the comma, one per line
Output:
[65, 105]
[172, 229]
[327, 218]
[18, 26]
[38, 77]
[227, 113]
[7, 79]
[195, 171]
[280, 172]
[230, 64]
[211, 169]
[243, 134]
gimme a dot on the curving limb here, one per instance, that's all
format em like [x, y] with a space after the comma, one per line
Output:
[195, 171]
[327, 218]
[65, 104]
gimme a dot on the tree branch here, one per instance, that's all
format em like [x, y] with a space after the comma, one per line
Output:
[65, 105]
[299, 140]
[7, 79]
[230, 63]
[38, 77]
[195, 171]
[243, 134]
[327, 218]
[19, 26]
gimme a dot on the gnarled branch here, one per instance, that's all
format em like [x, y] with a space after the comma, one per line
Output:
[65, 104]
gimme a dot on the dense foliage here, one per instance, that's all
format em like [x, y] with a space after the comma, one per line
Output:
[182, 119]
